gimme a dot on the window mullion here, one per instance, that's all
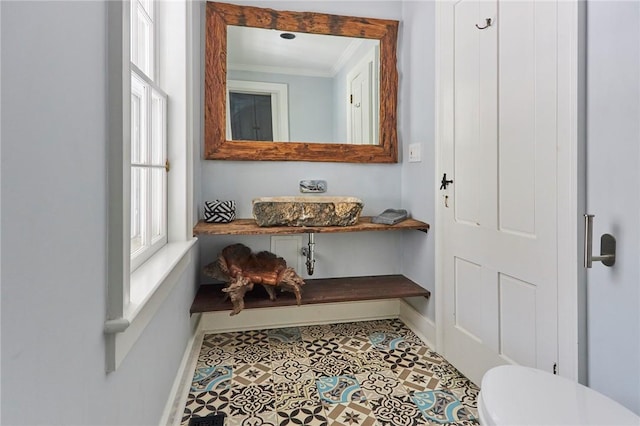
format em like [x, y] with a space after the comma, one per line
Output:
[142, 76]
[165, 156]
[149, 170]
[154, 44]
[143, 43]
[133, 28]
[149, 207]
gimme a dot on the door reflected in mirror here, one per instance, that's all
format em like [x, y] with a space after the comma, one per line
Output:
[257, 111]
[331, 86]
[251, 117]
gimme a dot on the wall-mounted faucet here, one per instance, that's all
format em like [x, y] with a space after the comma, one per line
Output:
[313, 186]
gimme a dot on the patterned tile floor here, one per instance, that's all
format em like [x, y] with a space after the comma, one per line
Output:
[362, 373]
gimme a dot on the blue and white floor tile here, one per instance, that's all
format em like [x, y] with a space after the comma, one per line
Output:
[350, 414]
[355, 344]
[284, 351]
[292, 370]
[339, 389]
[252, 400]
[362, 362]
[212, 356]
[331, 365]
[252, 374]
[266, 419]
[202, 404]
[304, 416]
[211, 378]
[315, 332]
[298, 394]
[417, 379]
[396, 410]
[373, 373]
[441, 406]
[380, 383]
[284, 335]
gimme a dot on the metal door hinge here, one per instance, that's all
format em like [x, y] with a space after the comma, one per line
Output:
[350, 99]
[555, 368]
[167, 165]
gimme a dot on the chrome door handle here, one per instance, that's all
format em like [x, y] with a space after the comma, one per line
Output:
[607, 245]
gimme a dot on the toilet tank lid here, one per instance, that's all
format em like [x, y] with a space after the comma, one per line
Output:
[526, 396]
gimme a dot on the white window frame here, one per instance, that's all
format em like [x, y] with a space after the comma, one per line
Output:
[134, 297]
[148, 13]
[150, 242]
[279, 104]
[153, 145]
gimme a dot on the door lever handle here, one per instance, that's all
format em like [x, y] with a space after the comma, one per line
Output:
[444, 182]
[607, 245]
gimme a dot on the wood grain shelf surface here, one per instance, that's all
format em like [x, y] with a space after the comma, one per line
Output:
[210, 297]
[249, 227]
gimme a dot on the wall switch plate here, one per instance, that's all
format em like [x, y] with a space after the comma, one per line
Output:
[414, 153]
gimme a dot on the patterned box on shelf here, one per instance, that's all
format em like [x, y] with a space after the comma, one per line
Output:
[219, 211]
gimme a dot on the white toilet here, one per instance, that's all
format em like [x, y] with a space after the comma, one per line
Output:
[513, 395]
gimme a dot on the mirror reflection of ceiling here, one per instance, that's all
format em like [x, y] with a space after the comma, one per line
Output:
[315, 55]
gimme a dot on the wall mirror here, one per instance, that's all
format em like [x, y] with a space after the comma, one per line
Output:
[266, 98]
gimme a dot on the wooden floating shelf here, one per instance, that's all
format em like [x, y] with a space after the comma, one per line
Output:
[249, 227]
[210, 297]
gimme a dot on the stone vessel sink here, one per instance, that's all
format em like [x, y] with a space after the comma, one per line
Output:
[307, 211]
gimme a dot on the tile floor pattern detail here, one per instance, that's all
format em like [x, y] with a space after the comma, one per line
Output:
[373, 373]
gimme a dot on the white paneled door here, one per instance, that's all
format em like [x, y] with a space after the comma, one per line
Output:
[499, 121]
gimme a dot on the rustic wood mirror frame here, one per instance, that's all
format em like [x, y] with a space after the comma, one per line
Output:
[217, 147]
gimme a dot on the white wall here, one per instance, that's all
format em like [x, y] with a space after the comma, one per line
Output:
[417, 126]
[378, 185]
[613, 196]
[310, 103]
[54, 232]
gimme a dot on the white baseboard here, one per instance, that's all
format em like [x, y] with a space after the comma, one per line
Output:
[172, 414]
[419, 324]
[288, 316]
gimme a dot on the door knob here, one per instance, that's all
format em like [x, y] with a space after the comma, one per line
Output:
[607, 245]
